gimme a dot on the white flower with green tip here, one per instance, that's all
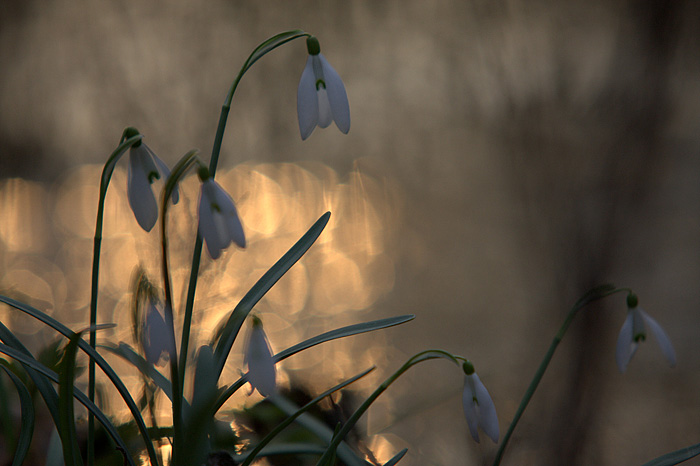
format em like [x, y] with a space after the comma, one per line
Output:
[157, 336]
[479, 409]
[144, 168]
[634, 331]
[321, 96]
[258, 357]
[219, 224]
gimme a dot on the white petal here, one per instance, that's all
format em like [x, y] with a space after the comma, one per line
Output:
[307, 101]
[488, 419]
[165, 173]
[261, 366]
[470, 407]
[141, 198]
[626, 345]
[157, 336]
[661, 338]
[325, 115]
[337, 96]
[232, 223]
[207, 225]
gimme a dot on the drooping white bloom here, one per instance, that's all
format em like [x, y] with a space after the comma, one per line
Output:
[144, 168]
[479, 409]
[321, 96]
[219, 224]
[258, 358]
[634, 331]
[157, 336]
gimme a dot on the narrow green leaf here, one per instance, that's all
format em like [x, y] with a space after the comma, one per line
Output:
[66, 426]
[127, 352]
[106, 368]
[233, 325]
[47, 391]
[676, 457]
[349, 330]
[27, 425]
[354, 329]
[396, 458]
[296, 448]
[47, 374]
[255, 452]
[321, 430]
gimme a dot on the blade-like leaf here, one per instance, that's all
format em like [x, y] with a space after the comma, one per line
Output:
[354, 329]
[349, 330]
[396, 458]
[321, 430]
[66, 426]
[47, 374]
[127, 352]
[47, 391]
[676, 457]
[233, 325]
[268, 438]
[106, 368]
[27, 427]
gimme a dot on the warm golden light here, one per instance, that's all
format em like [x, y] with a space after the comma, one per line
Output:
[333, 285]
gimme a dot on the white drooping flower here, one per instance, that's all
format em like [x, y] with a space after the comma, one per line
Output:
[479, 409]
[157, 336]
[321, 96]
[144, 168]
[634, 330]
[258, 357]
[219, 224]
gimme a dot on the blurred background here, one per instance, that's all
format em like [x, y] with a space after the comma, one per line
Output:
[504, 157]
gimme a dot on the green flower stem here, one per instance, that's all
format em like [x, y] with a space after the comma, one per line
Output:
[420, 357]
[178, 172]
[262, 49]
[593, 295]
[94, 290]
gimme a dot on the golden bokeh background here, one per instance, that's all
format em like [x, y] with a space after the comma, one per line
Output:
[504, 157]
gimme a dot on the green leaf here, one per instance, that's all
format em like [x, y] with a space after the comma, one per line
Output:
[235, 321]
[396, 458]
[321, 430]
[66, 425]
[349, 330]
[47, 374]
[676, 457]
[343, 332]
[127, 352]
[255, 452]
[106, 368]
[27, 409]
[47, 391]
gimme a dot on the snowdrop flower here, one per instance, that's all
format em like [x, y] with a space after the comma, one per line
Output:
[321, 96]
[219, 224]
[144, 168]
[634, 330]
[258, 358]
[479, 409]
[157, 336]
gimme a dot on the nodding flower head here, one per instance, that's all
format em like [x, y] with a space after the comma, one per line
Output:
[157, 336]
[219, 224]
[479, 409]
[634, 331]
[321, 96]
[144, 168]
[258, 357]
